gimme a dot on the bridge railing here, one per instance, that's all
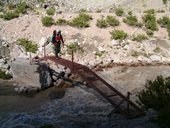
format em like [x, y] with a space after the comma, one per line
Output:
[72, 56]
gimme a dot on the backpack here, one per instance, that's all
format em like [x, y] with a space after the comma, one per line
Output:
[56, 40]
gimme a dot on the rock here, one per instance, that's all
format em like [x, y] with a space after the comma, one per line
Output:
[155, 58]
[100, 48]
[17, 51]
[42, 41]
[23, 55]
[2, 61]
[16, 89]
[151, 114]
[127, 47]
[115, 42]
[21, 89]
[32, 76]
[140, 58]
[8, 72]
[5, 66]
[5, 44]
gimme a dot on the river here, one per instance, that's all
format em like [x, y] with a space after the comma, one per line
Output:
[77, 107]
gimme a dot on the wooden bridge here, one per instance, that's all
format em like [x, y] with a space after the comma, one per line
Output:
[121, 103]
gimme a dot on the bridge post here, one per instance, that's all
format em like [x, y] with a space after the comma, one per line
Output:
[72, 60]
[128, 99]
[44, 51]
[30, 58]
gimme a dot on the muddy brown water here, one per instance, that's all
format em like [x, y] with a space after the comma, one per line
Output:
[14, 102]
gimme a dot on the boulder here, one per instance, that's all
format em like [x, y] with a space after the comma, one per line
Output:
[5, 66]
[155, 58]
[32, 76]
[100, 48]
[115, 42]
[16, 51]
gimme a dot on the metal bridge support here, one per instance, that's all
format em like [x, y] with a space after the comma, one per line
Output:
[72, 60]
[128, 99]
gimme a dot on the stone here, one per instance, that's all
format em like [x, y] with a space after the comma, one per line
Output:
[127, 47]
[155, 58]
[32, 76]
[115, 42]
[140, 58]
[42, 41]
[151, 114]
[100, 48]
[16, 89]
[5, 66]
[2, 61]
[16, 51]
[23, 55]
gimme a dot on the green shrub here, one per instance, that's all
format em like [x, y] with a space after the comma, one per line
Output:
[168, 25]
[99, 53]
[10, 15]
[139, 24]
[150, 21]
[81, 21]
[160, 11]
[140, 38]
[61, 21]
[151, 25]
[118, 34]
[157, 49]
[28, 45]
[82, 10]
[101, 23]
[163, 118]
[164, 21]
[98, 10]
[10, 6]
[135, 53]
[164, 1]
[41, 1]
[1, 3]
[51, 11]
[75, 48]
[129, 12]
[131, 20]
[1, 9]
[4, 76]
[1, 15]
[112, 21]
[85, 16]
[150, 11]
[149, 32]
[47, 21]
[148, 17]
[156, 94]
[21, 7]
[168, 30]
[119, 11]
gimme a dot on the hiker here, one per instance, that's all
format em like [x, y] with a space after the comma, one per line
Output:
[57, 39]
